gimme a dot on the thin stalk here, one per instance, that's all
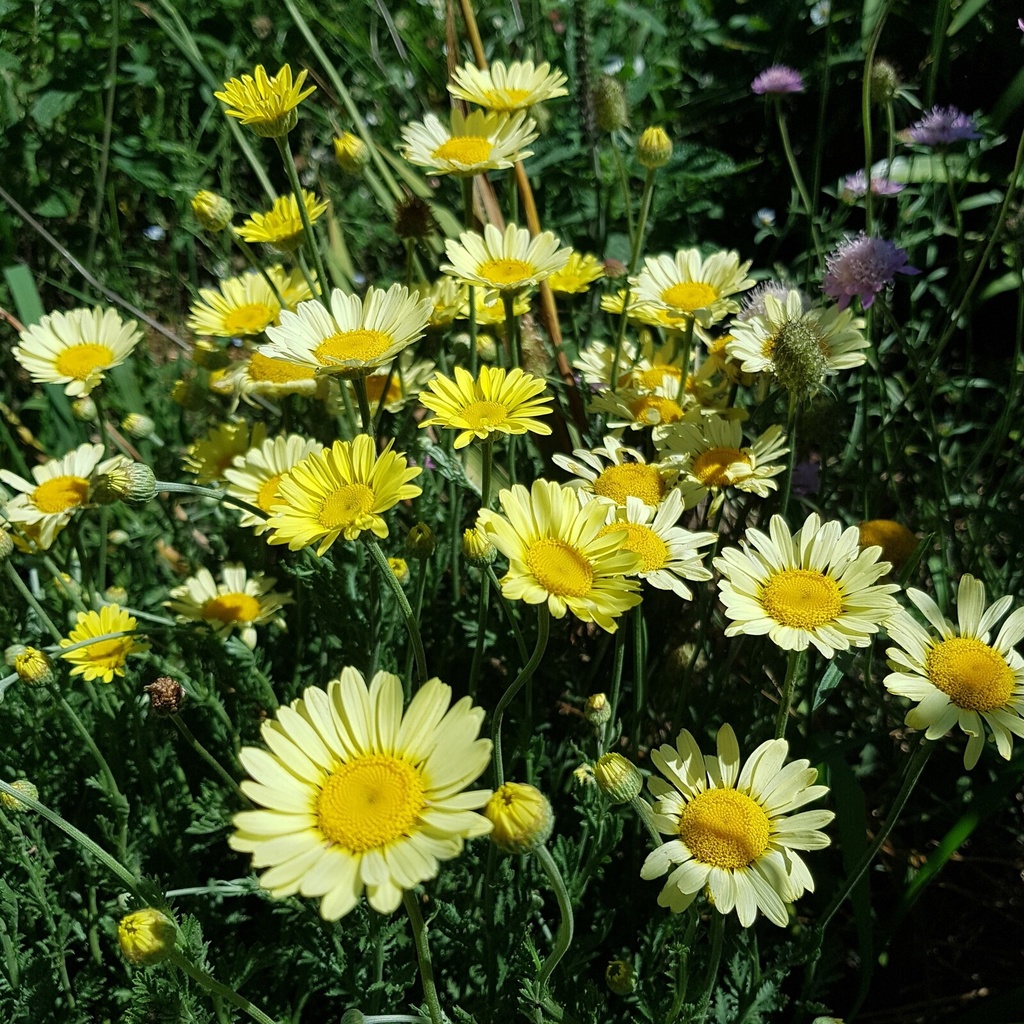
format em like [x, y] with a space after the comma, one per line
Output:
[359, 386]
[108, 123]
[798, 180]
[787, 486]
[488, 465]
[508, 300]
[646, 199]
[288, 160]
[218, 989]
[639, 671]
[711, 977]
[250, 257]
[684, 349]
[403, 604]
[786, 700]
[474, 355]
[421, 587]
[613, 700]
[481, 633]
[190, 739]
[19, 585]
[510, 615]
[620, 166]
[643, 809]
[565, 925]
[209, 492]
[419, 938]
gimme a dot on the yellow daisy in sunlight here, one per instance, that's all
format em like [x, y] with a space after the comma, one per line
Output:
[734, 834]
[685, 285]
[356, 337]
[267, 105]
[271, 378]
[961, 676]
[447, 297]
[504, 262]
[616, 472]
[491, 313]
[213, 454]
[509, 87]
[282, 228]
[242, 306]
[495, 402]
[106, 658]
[476, 142]
[58, 489]
[559, 554]
[645, 410]
[76, 348]
[340, 492]
[239, 602]
[577, 275]
[292, 285]
[815, 587]
[254, 476]
[355, 795]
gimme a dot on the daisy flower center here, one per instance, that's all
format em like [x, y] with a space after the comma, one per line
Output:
[345, 507]
[267, 496]
[249, 319]
[654, 409]
[277, 371]
[506, 99]
[370, 802]
[60, 494]
[235, 607]
[559, 568]
[107, 653]
[689, 295]
[361, 345]
[970, 673]
[802, 599]
[81, 361]
[464, 149]
[711, 468]
[644, 541]
[505, 272]
[724, 828]
[485, 415]
[631, 479]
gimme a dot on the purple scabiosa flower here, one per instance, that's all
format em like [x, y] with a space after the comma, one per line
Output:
[942, 126]
[853, 186]
[776, 80]
[863, 266]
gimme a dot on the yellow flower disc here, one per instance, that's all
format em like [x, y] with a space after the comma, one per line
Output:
[725, 828]
[505, 272]
[231, 608]
[802, 599]
[80, 361]
[345, 506]
[464, 149]
[250, 318]
[644, 541]
[267, 496]
[559, 568]
[60, 493]
[109, 654]
[711, 468]
[655, 376]
[483, 415]
[506, 99]
[970, 673]
[653, 409]
[277, 371]
[360, 345]
[375, 389]
[370, 802]
[631, 479]
[689, 295]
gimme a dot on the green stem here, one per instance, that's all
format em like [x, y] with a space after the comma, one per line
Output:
[543, 629]
[682, 357]
[643, 809]
[639, 672]
[510, 615]
[421, 588]
[403, 604]
[485, 484]
[307, 227]
[786, 700]
[641, 225]
[717, 936]
[787, 487]
[481, 633]
[565, 925]
[19, 585]
[217, 989]
[508, 300]
[419, 937]
[250, 258]
[186, 732]
[613, 701]
[798, 180]
[359, 386]
[209, 492]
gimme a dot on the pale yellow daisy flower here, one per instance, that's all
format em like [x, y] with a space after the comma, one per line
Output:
[616, 472]
[475, 143]
[267, 105]
[509, 87]
[267, 377]
[106, 658]
[242, 306]
[213, 453]
[399, 384]
[281, 227]
[579, 273]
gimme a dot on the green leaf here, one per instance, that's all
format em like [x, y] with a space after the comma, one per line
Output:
[51, 105]
[26, 296]
[967, 11]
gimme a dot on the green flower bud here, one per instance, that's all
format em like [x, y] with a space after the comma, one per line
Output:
[477, 548]
[135, 424]
[420, 542]
[620, 977]
[129, 481]
[654, 149]
[213, 212]
[12, 803]
[611, 111]
[521, 818]
[597, 710]
[619, 780]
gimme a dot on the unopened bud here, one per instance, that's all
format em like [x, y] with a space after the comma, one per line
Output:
[611, 111]
[884, 83]
[399, 568]
[414, 218]
[118, 538]
[420, 542]
[895, 540]
[84, 409]
[213, 212]
[620, 977]
[10, 653]
[521, 817]
[33, 667]
[138, 425]
[654, 149]
[146, 937]
[597, 710]
[477, 548]
[619, 780]
[12, 803]
[351, 153]
[115, 595]
[166, 696]
[129, 481]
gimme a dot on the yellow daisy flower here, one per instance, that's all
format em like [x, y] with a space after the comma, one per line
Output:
[815, 587]
[734, 835]
[340, 492]
[267, 105]
[76, 348]
[254, 476]
[356, 796]
[282, 227]
[213, 454]
[961, 677]
[508, 262]
[645, 410]
[361, 335]
[687, 286]
[507, 88]
[239, 602]
[271, 378]
[618, 473]
[476, 142]
[242, 306]
[560, 555]
[447, 298]
[292, 285]
[495, 402]
[577, 275]
[105, 658]
[490, 310]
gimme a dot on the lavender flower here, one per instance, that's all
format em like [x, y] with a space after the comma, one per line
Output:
[863, 266]
[776, 80]
[942, 126]
[753, 301]
[853, 186]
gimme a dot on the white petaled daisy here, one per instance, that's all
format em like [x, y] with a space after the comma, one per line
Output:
[58, 489]
[76, 348]
[506, 262]
[447, 297]
[254, 477]
[272, 378]
[798, 347]
[356, 337]
[239, 602]
[476, 142]
[815, 587]
[961, 677]
[685, 285]
[507, 88]
[616, 472]
[711, 454]
[242, 307]
[669, 553]
[654, 410]
[734, 834]
[357, 796]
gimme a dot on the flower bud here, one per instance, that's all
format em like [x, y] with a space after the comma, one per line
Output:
[597, 710]
[115, 595]
[84, 409]
[33, 667]
[129, 481]
[420, 542]
[521, 816]
[166, 696]
[799, 363]
[619, 780]
[6, 545]
[884, 82]
[400, 568]
[146, 937]
[12, 803]
[137, 425]
[118, 538]
[209, 355]
[620, 977]
[10, 653]
[895, 540]
[611, 111]
[477, 548]
[351, 153]
[654, 149]
[213, 212]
